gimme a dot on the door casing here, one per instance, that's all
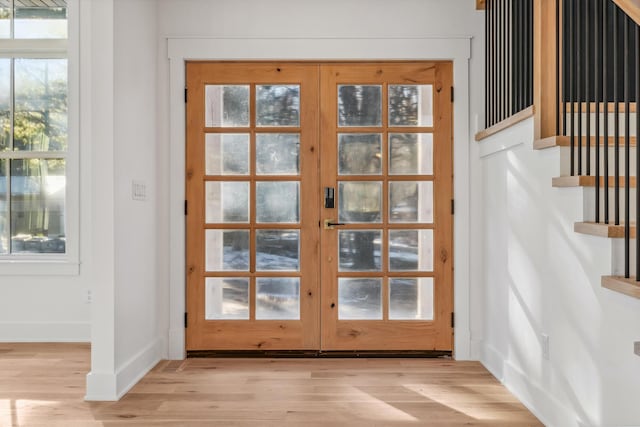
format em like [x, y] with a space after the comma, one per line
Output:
[181, 49]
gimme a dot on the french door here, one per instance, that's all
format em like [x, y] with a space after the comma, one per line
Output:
[319, 206]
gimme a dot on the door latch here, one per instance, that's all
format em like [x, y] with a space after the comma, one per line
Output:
[330, 225]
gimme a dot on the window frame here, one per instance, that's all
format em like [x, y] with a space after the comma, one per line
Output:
[35, 264]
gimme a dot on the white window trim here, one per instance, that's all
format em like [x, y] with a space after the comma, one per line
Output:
[68, 263]
[456, 49]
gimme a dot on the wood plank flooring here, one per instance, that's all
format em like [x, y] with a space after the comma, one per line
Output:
[44, 385]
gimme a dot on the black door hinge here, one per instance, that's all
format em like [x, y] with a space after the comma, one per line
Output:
[186, 321]
[453, 207]
[185, 95]
[453, 320]
[451, 93]
[186, 209]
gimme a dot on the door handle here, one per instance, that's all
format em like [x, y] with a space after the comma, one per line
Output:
[329, 224]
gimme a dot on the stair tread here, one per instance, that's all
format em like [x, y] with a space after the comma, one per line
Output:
[621, 284]
[603, 230]
[565, 141]
[589, 181]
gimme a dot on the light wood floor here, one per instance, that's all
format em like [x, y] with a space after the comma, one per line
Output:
[43, 385]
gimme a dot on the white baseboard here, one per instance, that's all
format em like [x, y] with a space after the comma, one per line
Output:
[112, 386]
[493, 361]
[475, 349]
[45, 332]
[540, 402]
[176, 344]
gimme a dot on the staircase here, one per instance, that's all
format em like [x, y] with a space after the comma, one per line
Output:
[587, 185]
[582, 84]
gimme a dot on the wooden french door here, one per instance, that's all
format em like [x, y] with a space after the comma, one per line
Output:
[386, 150]
[319, 206]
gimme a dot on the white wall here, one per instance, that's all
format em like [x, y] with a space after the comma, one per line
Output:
[542, 278]
[136, 307]
[126, 337]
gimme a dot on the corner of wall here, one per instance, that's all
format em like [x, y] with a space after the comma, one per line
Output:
[112, 386]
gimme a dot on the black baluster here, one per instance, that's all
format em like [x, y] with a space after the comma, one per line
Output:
[627, 152]
[605, 97]
[572, 73]
[487, 77]
[579, 72]
[637, 73]
[587, 81]
[616, 119]
[598, 76]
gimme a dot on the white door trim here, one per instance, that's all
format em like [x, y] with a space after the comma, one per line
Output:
[456, 49]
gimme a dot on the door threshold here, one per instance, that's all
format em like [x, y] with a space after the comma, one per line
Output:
[283, 354]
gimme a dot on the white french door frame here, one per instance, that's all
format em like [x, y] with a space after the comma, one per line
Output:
[456, 49]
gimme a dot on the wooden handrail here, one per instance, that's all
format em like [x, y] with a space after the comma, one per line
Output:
[545, 85]
[631, 8]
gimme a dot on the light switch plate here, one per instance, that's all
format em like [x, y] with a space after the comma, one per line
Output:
[636, 348]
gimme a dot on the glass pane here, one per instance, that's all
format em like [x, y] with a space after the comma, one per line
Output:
[360, 201]
[359, 250]
[411, 299]
[35, 20]
[278, 153]
[227, 298]
[278, 250]
[411, 250]
[277, 201]
[5, 19]
[40, 105]
[278, 105]
[411, 201]
[278, 298]
[410, 105]
[359, 105]
[227, 250]
[4, 209]
[227, 154]
[227, 202]
[5, 104]
[227, 106]
[37, 206]
[359, 154]
[411, 154]
[360, 299]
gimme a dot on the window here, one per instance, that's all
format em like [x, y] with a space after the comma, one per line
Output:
[34, 129]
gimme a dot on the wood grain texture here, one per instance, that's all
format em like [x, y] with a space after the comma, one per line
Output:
[624, 286]
[252, 334]
[565, 141]
[505, 124]
[43, 385]
[544, 68]
[385, 334]
[603, 230]
[590, 181]
[631, 8]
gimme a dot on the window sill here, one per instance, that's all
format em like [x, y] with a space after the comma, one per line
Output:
[39, 267]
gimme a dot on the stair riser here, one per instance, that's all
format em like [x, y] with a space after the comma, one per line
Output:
[617, 268]
[565, 161]
[621, 122]
[589, 213]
